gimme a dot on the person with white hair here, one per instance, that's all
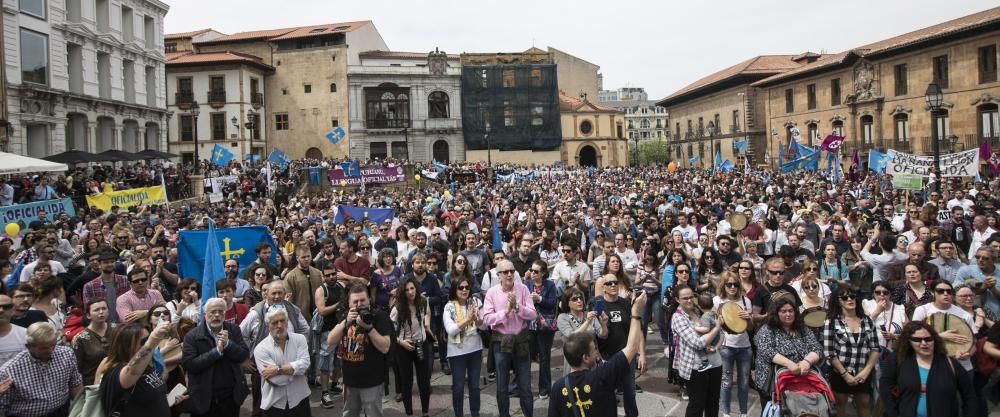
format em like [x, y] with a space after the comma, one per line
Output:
[283, 359]
[41, 380]
[213, 352]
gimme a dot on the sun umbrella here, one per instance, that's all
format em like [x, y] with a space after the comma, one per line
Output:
[73, 157]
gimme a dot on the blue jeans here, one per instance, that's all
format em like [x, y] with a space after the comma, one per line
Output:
[522, 371]
[742, 358]
[465, 368]
[651, 312]
[541, 345]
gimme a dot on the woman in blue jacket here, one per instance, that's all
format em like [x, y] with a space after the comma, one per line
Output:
[543, 329]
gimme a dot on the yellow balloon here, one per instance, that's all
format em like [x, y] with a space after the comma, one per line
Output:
[447, 193]
[428, 199]
[417, 177]
[343, 183]
[12, 229]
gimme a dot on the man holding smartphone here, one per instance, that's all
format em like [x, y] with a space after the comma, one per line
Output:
[618, 310]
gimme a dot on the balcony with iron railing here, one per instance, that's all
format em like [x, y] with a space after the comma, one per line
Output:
[183, 99]
[217, 98]
[387, 123]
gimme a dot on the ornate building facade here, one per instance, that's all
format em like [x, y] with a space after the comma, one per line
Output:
[85, 75]
[874, 94]
[407, 106]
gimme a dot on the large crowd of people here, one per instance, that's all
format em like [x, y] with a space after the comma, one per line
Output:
[888, 297]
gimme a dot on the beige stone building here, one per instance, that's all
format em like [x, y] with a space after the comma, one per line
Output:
[593, 134]
[719, 109]
[307, 96]
[577, 76]
[874, 94]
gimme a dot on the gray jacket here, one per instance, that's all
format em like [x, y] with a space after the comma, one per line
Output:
[254, 328]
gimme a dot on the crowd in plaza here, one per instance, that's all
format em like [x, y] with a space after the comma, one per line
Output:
[880, 299]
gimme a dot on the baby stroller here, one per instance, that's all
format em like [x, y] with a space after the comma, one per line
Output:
[802, 396]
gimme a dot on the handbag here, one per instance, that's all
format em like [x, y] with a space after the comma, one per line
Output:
[546, 322]
[87, 403]
[984, 364]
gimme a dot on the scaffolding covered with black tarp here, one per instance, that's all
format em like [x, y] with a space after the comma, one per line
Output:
[518, 103]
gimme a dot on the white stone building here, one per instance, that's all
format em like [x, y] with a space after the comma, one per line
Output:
[85, 75]
[406, 105]
[229, 90]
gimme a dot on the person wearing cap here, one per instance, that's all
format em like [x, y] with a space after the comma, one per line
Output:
[108, 286]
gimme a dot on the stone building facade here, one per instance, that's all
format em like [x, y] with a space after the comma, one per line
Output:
[406, 105]
[227, 87]
[85, 75]
[592, 134]
[874, 94]
[718, 110]
[307, 96]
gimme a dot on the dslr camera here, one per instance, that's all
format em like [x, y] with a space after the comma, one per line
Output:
[365, 314]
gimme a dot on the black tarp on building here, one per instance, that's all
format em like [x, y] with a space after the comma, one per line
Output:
[518, 102]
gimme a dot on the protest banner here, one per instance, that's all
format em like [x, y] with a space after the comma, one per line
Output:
[217, 184]
[369, 175]
[961, 164]
[905, 181]
[28, 212]
[154, 195]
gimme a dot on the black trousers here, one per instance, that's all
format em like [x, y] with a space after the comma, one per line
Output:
[704, 390]
[221, 407]
[408, 363]
[301, 410]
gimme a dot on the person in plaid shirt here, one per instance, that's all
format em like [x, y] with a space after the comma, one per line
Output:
[108, 286]
[851, 345]
[41, 380]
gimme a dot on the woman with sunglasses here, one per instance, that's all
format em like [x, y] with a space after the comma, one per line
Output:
[252, 295]
[574, 318]
[613, 266]
[462, 320]
[852, 349]
[411, 317]
[746, 271]
[542, 330]
[888, 316]
[680, 277]
[944, 295]
[704, 384]
[810, 269]
[709, 270]
[919, 379]
[128, 371]
[736, 349]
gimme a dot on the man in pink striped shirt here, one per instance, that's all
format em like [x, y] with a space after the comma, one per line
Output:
[136, 302]
[507, 310]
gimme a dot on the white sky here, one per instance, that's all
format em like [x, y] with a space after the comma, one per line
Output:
[660, 45]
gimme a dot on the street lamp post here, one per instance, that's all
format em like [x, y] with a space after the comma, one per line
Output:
[249, 125]
[489, 159]
[934, 97]
[636, 150]
[195, 110]
[711, 138]
[746, 129]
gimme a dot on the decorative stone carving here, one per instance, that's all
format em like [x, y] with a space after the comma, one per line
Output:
[866, 85]
[437, 62]
[790, 123]
[900, 109]
[985, 98]
[837, 118]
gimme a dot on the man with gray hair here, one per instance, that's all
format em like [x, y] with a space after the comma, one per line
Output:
[986, 275]
[42, 380]
[213, 352]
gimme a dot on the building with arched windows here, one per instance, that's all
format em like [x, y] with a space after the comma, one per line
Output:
[406, 105]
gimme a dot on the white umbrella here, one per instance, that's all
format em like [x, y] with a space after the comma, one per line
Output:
[17, 164]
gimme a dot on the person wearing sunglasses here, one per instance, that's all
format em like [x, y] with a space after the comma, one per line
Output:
[852, 349]
[944, 299]
[13, 336]
[919, 379]
[135, 303]
[736, 352]
[462, 322]
[507, 309]
[783, 341]
[542, 330]
[810, 269]
[985, 272]
[575, 318]
[888, 316]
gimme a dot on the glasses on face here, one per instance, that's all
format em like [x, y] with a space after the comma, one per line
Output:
[160, 313]
[812, 268]
[576, 298]
[810, 287]
[463, 287]
[460, 261]
[709, 257]
[610, 283]
[775, 272]
[506, 272]
[943, 291]
[846, 297]
[383, 230]
[5, 307]
[535, 271]
[682, 271]
[984, 257]
[732, 285]
[881, 292]
[919, 340]
[260, 274]
[139, 281]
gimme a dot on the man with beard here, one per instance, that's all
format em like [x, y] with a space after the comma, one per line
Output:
[12, 337]
[263, 252]
[476, 257]
[837, 239]
[327, 253]
[946, 261]
[774, 286]
[213, 352]
[108, 286]
[45, 254]
[385, 239]
[524, 257]
[420, 244]
[164, 271]
[915, 254]
[232, 271]
[349, 265]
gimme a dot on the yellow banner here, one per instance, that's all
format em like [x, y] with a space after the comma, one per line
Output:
[128, 198]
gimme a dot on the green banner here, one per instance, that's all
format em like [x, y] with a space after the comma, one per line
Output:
[903, 181]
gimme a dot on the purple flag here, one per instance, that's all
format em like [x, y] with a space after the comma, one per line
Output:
[832, 143]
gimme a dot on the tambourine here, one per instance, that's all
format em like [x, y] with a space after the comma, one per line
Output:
[814, 317]
[738, 221]
[731, 321]
[942, 322]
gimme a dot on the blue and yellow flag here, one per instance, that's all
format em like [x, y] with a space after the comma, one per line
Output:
[377, 215]
[221, 156]
[230, 243]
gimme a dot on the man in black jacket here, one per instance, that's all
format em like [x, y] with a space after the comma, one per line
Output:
[213, 352]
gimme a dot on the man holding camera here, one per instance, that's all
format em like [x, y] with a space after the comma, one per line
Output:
[362, 341]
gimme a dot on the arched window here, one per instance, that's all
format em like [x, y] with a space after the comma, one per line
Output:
[387, 106]
[437, 105]
[333, 87]
[902, 127]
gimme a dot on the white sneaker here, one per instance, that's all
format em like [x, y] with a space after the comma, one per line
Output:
[666, 351]
[743, 415]
[726, 415]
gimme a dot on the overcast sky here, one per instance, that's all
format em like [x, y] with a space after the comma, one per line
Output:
[660, 45]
